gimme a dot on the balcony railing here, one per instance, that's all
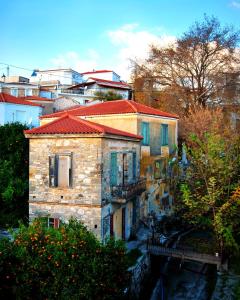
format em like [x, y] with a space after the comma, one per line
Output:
[124, 193]
[74, 92]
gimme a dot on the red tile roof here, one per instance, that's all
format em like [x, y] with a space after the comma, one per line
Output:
[6, 98]
[114, 107]
[102, 82]
[36, 98]
[98, 71]
[68, 124]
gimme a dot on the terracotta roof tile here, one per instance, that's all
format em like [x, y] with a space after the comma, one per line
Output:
[6, 98]
[97, 71]
[37, 98]
[114, 107]
[68, 124]
[102, 82]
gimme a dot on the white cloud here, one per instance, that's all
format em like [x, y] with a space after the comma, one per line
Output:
[125, 43]
[132, 43]
[72, 59]
[235, 4]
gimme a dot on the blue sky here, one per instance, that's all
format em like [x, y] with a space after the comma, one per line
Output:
[95, 34]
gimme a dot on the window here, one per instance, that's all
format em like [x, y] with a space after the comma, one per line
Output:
[60, 170]
[28, 92]
[113, 169]
[14, 92]
[164, 135]
[21, 116]
[145, 132]
[53, 222]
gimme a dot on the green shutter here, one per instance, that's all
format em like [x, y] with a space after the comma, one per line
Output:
[113, 169]
[145, 132]
[164, 135]
[134, 165]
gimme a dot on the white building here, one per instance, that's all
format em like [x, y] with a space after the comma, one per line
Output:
[65, 77]
[102, 74]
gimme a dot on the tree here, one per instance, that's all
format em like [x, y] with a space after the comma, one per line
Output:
[13, 174]
[211, 178]
[64, 263]
[193, 69]
[204, 120]
[108, 96]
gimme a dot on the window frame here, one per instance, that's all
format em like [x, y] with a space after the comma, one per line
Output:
[54, 170]
[12, 92]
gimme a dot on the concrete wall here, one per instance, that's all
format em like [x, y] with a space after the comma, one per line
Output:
[64, 76]
[64, 103]
[26, 114]
[21, 89]
[155, 132]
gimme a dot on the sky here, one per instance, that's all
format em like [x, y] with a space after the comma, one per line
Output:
[87, 35]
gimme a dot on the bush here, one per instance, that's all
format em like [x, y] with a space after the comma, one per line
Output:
[64, 263]
[13, 175]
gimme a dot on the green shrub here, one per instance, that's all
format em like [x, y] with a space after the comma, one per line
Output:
[13, 175]
[64, 263]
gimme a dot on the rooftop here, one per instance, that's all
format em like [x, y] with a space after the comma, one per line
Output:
[113, 107]
[36, 98]
[97, 71]
[102, 82]
[69, 124]
[6, 98]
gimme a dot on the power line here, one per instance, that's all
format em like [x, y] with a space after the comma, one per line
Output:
[31, 70]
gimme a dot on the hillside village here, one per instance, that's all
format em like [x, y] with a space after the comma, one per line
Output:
[124, 190]
[107, 160]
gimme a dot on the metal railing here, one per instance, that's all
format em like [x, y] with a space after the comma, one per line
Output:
[129, 190]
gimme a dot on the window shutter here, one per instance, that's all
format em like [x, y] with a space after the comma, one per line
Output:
[164, 135]
[70, 170]
[56, 223]
[113, 169]
[145, 132]
[134, 166]
[56, 170]
[53, 173]
[111, 225]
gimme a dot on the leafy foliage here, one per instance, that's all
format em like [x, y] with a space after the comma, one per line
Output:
[211, 178]
[64, 263]
[108, 96]
[13, 174]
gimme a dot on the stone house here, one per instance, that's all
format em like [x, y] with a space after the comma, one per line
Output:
[160, 133]
[82, 169]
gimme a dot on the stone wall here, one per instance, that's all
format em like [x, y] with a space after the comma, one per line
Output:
[139, 272]
[83, 199]
[90, 180]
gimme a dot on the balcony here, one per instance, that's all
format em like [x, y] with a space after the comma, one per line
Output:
[123, 193]
[72, 92]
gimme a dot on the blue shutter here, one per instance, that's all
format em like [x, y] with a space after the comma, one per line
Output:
[113, 169]
[134, 166]
[164, 135]
[145, 132]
